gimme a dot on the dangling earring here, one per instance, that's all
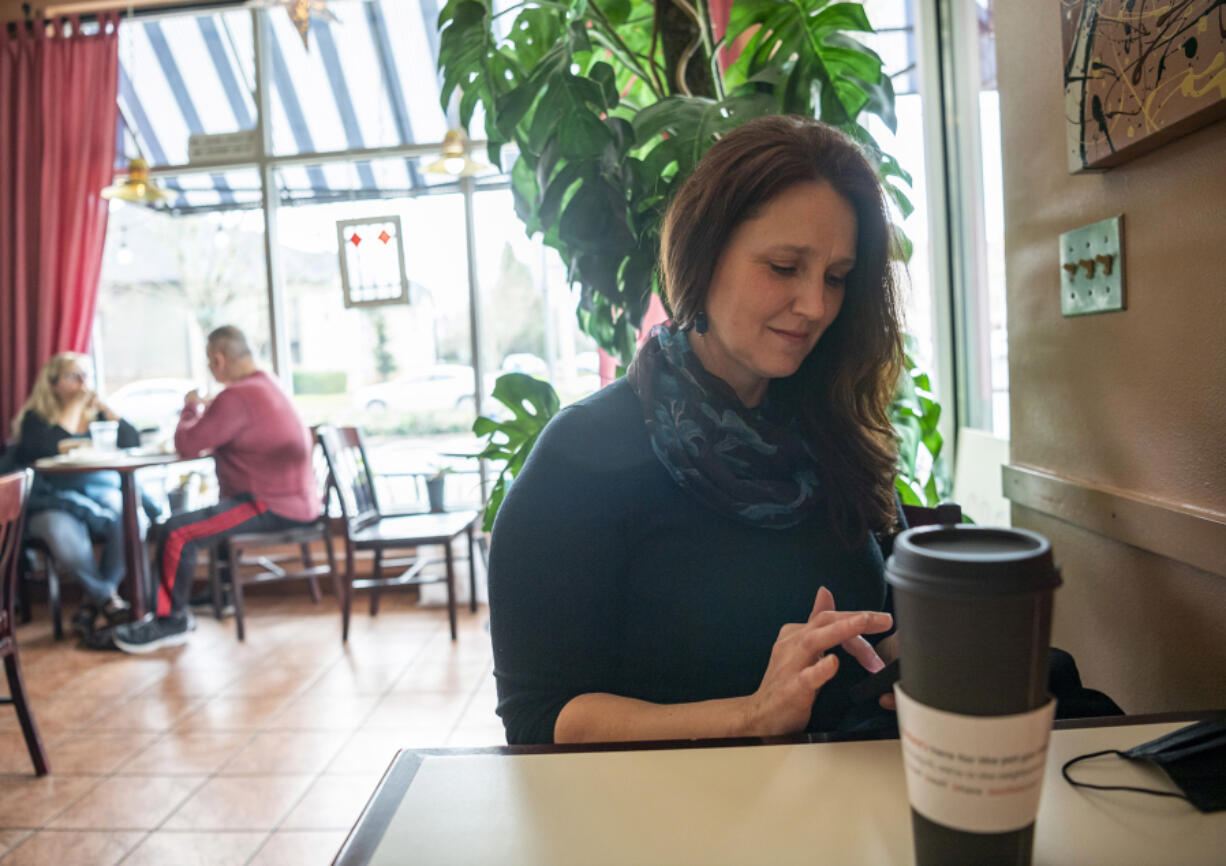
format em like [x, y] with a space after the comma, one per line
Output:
[700, 323]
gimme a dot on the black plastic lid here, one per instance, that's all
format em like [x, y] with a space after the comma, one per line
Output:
[972, 560]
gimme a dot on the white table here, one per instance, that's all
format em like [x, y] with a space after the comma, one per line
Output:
[807, 802]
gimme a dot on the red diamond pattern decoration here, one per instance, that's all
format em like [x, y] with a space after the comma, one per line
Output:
[384, 236]
[355, 239]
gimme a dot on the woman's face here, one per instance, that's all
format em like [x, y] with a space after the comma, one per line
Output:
[70, 383]
[777, 287]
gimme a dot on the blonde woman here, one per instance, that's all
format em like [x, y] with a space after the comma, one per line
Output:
[69, 512]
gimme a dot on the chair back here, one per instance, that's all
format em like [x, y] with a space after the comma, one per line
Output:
[345, 453]
[319, 466]
[14, 489]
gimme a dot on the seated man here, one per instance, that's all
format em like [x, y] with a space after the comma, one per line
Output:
[263, 457]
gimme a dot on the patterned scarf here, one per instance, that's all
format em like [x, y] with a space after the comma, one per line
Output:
[745, 463]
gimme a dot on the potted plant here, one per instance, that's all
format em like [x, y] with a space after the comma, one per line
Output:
[435, 486]
[610, 104]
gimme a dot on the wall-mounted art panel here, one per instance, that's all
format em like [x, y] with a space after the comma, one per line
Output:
[1138, 73]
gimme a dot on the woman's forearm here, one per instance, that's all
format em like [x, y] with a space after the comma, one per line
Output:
[598, 717]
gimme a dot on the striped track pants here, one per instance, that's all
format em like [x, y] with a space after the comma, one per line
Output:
[185, 535]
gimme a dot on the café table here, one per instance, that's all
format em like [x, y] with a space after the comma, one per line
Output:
[126, 462]
[806, 799]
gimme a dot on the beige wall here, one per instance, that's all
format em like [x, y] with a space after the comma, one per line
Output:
[1133, 402]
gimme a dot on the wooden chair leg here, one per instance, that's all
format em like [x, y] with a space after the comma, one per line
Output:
[53, 599]
[236, 587]
[472, 572]
[450, 588]
[215, 580]
[23, 594]
[336, 575]
[17, 689]
[308, 564]
[376, 573]
[347, 596]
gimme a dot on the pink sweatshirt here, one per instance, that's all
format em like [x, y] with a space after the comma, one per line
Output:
[259, 445]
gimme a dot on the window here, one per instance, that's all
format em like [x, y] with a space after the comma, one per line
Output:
[528, 308]
[167, 281]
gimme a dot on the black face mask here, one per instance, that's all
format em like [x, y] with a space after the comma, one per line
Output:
[1194, 757]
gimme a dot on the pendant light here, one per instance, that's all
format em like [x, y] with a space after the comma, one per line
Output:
[137, 187]
[454, 159]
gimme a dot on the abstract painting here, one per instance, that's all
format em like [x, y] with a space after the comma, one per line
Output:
[1138, 73]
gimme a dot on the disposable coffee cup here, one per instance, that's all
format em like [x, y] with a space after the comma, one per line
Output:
[104, 435]
[973, 607]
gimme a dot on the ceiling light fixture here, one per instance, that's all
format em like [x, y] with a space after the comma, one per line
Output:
[137, 187]
[455, 160]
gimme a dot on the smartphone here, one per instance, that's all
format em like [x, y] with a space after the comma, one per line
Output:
[873, 687]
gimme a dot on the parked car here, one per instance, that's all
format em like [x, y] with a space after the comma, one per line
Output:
[151, 402]
[441, 386]
[525, 362]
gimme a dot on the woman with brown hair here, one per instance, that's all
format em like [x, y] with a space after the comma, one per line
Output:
[668, 561]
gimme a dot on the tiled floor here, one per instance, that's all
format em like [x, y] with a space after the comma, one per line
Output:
[225, 753]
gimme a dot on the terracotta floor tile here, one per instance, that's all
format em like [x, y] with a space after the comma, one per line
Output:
[300, 849]
[14, 756]
[441, 676]
[122, 802]
[372, 751]
[32, 801]
[272, 681]
[195, 849]
[145, 714]
[10, 838]
[203, 682]
[55, 715]
[350, 678]
[229, 714]
[400, 710]
[49, 847]
[240, 803]
[332, 803]
[97, 753]
[187, 753]
[286, 753]
[322, 712]
[121, 676]
[484, 735]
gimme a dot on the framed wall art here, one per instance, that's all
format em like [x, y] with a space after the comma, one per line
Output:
[1139, 73]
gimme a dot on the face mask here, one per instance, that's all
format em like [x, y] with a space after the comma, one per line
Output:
[1193, 757]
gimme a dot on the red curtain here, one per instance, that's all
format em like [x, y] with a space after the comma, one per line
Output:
[58, 112]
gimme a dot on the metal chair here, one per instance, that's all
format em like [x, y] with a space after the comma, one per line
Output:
[367, 528]
[232, 550]
[14, 489]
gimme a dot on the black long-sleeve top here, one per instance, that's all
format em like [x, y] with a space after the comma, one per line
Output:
[40, 439]
[606, 576]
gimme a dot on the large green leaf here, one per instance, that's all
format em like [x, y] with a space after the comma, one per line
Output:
[532, 403]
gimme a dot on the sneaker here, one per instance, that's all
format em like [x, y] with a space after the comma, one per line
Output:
[152, 633]
[83, 619]
[116, 612]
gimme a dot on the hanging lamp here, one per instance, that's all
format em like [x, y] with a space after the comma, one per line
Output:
[137, 187]
[454, 159]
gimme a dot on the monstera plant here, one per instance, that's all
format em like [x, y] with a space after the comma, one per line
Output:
[609, 105]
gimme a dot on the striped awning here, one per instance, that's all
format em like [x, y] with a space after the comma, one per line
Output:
[367, 80]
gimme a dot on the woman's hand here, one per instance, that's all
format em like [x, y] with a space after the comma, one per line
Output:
[66, 445]
[799, 665]
[888, 650]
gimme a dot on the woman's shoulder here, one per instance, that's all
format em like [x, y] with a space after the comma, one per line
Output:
[603, 427]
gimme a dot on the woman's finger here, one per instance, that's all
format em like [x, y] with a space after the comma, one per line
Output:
[863, 652]
[820, 672]
[823, 603]
[825, 635]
